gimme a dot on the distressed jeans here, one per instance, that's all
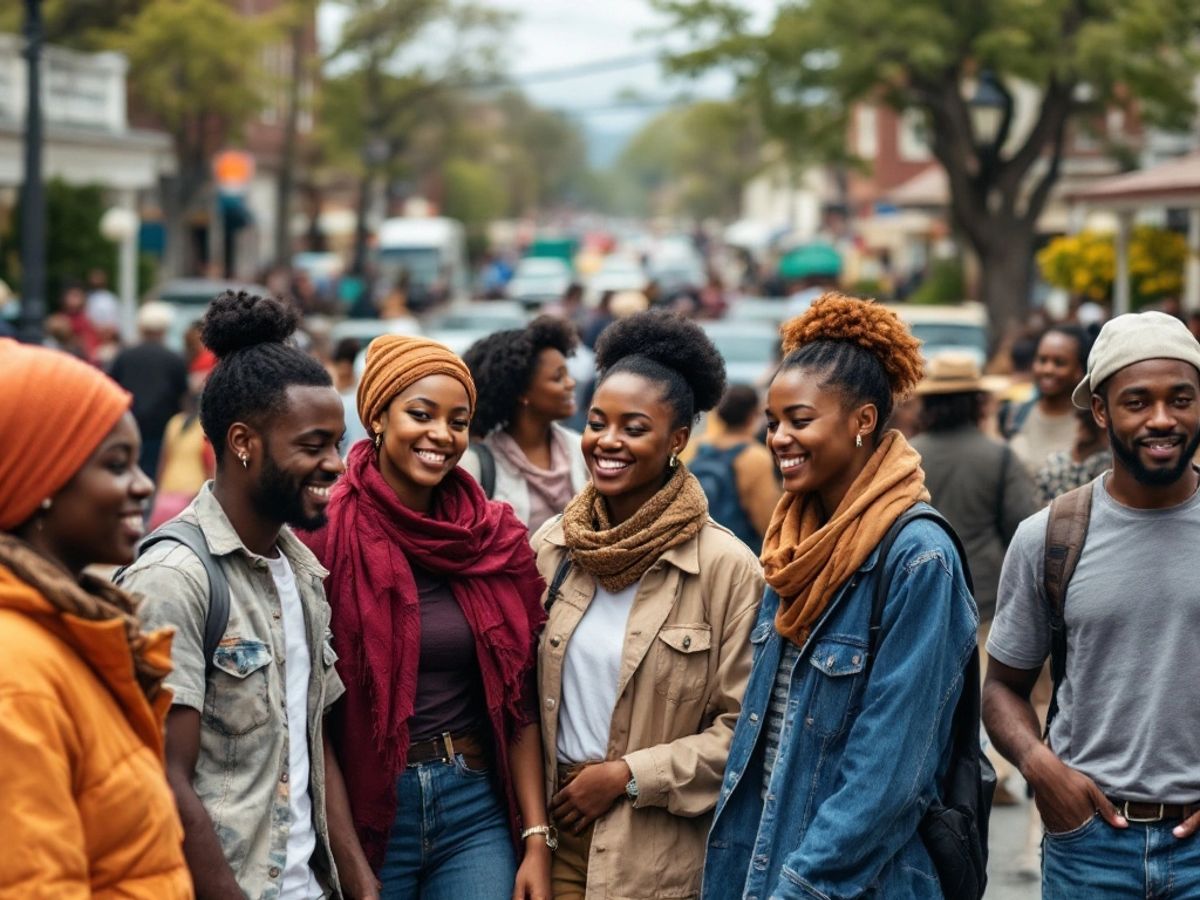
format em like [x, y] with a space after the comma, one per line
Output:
[1099, 862]
[450, 840]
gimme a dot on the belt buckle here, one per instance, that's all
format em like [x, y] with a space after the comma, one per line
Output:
[1162, 808]
[448, 744]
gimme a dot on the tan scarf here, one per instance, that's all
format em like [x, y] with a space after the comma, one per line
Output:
[806, 561]
[617, 556]
[89, 598]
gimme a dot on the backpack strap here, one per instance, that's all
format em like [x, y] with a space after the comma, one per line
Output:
[882, 584]
[560, 575]
[181, 531]
[487, 468]
[1066, 532]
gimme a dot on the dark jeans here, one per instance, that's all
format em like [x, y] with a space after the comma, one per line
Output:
[1099, 862]
[450, 840]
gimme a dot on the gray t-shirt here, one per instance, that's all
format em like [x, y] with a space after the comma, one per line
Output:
[1129, 704]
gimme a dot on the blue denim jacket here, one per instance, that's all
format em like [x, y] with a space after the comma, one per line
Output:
[859, 758]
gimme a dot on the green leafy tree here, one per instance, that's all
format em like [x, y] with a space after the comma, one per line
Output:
[80, 24]
[194, 66]
[819, 58]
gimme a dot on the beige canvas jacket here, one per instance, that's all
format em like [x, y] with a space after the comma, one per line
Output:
[685, 667]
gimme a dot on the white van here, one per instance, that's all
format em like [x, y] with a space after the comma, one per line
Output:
[431, 252]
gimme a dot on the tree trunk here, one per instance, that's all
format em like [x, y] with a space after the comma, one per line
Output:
[362, 230]
[1006, 276]
[286, 183]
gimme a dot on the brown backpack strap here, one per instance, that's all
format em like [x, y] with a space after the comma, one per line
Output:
[1066, 532]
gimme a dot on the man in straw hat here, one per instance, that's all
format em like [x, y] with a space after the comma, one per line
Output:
[1117, 783]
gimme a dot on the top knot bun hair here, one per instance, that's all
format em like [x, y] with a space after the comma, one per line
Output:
[236, 320]
[836, 317]
[671, 341]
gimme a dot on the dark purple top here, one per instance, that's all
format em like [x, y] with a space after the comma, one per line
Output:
[449, 685]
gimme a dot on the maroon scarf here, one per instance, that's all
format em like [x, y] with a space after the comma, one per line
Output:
[369, 546]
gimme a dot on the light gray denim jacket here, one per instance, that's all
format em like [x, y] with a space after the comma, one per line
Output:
[242, 770]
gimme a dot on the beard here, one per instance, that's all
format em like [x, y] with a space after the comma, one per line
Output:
[280, 497]
[1127, 456]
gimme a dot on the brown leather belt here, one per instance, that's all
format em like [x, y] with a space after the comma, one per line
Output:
[1141, 811]
[446, 746]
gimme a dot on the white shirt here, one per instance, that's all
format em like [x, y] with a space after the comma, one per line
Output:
[591, 673]
[299, 882]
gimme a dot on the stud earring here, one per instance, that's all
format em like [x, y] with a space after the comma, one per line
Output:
[858, 440]
[46, 504]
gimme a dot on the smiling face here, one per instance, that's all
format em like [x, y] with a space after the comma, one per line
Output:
[551, 392]
[425, 433]
[811, 431]
[628, 441]
[1056, 368]
[299, 457]
[97, 516]
[1152, 413]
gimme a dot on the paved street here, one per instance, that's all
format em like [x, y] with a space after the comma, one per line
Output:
[1008, 828]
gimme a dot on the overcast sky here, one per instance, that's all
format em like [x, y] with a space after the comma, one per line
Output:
[559, 34]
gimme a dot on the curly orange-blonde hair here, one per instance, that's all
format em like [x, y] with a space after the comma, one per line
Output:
[866, 324]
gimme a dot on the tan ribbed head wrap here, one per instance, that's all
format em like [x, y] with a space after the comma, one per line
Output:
[394, 362]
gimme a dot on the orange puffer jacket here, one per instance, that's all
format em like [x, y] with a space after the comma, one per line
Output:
[85, 810]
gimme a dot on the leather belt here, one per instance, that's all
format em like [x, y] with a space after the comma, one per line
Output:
[1141, 811]
[446, 746]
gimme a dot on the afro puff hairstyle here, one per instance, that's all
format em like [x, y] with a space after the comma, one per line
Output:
[860, 348]
[503, 365]
[671, 351]
[255, 365]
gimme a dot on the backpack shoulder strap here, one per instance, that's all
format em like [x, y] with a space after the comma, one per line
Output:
[882, 584]
[560, 575]
[1066, 532]
[487, 468]
[180, 531]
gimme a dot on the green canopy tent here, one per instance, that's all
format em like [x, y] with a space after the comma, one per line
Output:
[810, 260]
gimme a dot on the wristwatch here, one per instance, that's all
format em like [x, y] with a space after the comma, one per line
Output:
[549, 831]
[631, 789]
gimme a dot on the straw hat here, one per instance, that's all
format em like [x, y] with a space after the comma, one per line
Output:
[957, 373]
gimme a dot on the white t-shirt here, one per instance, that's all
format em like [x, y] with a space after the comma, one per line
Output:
[299, 882]
[591, 672]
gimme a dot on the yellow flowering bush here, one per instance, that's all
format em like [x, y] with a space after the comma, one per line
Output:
[1086, 264]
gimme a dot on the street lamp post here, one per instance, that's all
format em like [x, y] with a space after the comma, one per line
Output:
[33, 200]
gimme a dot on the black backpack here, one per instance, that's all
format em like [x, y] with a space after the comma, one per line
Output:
[713, 468]
[487, 468]
[954, 829]
[181, 531]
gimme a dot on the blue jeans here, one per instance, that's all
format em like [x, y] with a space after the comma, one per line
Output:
[1099, 862]
[450, 840]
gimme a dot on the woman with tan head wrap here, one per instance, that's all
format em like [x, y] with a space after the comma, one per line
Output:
[436, 612]
[87, 811]
[845, 728]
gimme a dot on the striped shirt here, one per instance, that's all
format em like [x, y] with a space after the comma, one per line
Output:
[777, 709]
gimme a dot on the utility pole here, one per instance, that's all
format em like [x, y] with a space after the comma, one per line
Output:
[33, 198]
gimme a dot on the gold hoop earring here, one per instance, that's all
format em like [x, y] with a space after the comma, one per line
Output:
[858, 440]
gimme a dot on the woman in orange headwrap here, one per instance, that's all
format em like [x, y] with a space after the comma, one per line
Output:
[436, 611]
[87, 811]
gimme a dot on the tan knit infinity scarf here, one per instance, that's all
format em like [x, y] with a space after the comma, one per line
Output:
[618, 556]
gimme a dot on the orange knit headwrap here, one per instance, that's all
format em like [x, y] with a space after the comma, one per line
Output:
[54, 411]
[394, 362]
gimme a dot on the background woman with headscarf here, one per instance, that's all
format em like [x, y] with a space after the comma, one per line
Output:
[436, 611]
[525, 391]
[646, 652]
[87, 811]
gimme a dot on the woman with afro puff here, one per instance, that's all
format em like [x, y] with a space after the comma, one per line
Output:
[646, 651]
[521, 454]
[838, 751]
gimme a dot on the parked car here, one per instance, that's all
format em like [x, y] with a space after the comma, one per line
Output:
[616, 273]
[749, 349]
[963, 328]
[465, 323]
[539, 280]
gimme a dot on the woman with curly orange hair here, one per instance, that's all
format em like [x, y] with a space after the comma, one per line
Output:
[843, 734]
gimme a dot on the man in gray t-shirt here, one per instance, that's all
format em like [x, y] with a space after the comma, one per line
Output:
[1118, 785]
